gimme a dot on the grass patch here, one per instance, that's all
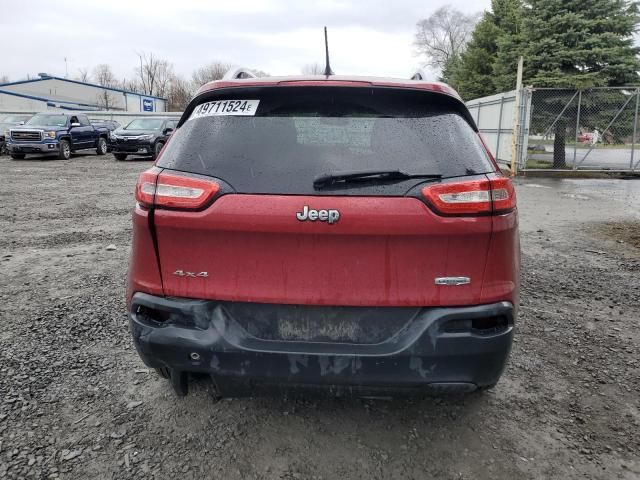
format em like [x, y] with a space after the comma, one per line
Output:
[534, 163]
[599, 146]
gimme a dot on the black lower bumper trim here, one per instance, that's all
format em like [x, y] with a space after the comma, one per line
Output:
[199, 336]
[141, 148]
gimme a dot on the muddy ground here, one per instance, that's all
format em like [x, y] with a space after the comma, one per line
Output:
[77, 403]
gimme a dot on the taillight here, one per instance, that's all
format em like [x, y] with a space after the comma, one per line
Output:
[174, 191]
[146, 186]
[474, 197]
[503, 194]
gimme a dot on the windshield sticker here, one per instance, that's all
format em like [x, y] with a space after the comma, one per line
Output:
[225, 107]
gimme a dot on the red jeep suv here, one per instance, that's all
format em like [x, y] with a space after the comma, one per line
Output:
[349, 233]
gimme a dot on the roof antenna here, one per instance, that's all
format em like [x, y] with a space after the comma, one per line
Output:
[327, 68]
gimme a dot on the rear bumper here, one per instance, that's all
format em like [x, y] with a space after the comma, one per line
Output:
[432, 351]
[49, 147]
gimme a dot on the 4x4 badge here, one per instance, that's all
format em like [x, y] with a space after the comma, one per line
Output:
[330, 216]
[182, 273]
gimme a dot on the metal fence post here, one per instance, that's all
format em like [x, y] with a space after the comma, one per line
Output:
[516, 118]
[635, 127]
[499, 129]
[575, 145]
[523, 128]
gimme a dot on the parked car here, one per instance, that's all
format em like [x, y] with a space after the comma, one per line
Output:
[142, 136]
[56, 133]
[592, 138]
[8, 121]
[110, 125]
[354, 234]
[585, 137]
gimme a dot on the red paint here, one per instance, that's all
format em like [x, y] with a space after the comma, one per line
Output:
[144, 275]
[383, 251]
[502, 274]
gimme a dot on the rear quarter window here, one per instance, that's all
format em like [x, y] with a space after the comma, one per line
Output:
[299, 133]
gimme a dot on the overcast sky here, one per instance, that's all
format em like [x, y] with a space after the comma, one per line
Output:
[366, 37]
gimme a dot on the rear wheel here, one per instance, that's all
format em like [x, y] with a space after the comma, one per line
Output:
[156, 149]
[64, 152]
[17, 156]
[102, 146]
[120, 156]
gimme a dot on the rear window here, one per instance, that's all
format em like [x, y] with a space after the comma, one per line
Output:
[299, 133]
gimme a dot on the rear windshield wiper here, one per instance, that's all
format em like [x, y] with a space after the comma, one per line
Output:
[327, 179]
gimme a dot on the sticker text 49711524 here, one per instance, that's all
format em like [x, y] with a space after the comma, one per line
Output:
[225, 107]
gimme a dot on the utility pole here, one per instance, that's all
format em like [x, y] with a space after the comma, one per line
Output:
[66, 68]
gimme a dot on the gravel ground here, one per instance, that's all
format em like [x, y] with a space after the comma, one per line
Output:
[77, 403]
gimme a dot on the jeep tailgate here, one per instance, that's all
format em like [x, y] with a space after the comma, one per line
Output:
[383, 251]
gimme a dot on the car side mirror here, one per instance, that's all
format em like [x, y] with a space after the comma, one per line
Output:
[167, 131]
[75, 124]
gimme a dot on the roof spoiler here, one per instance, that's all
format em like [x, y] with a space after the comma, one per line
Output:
[238, 73]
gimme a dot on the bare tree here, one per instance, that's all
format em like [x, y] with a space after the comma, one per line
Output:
[312, 69]
[443, 35]
[213, 71]
[130, 85]
[154, 74]
[163, 78]
[83, 75]
[179, 93]
[106, 101]
[104, 76]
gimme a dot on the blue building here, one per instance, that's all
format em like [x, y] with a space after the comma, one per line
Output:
[48, 92]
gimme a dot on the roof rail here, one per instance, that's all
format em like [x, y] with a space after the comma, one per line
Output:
[418, 75]
[238, 73]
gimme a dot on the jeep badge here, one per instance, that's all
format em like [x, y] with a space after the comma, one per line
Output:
[331, 216]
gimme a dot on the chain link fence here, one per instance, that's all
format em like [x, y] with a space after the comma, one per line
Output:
[590, 129]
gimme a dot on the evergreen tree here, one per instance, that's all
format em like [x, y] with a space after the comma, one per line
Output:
[510, 48]
[474, 73]
[450, 68]
[580, 43]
